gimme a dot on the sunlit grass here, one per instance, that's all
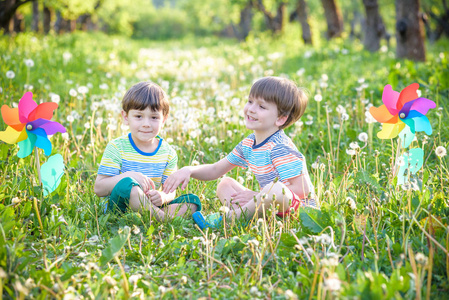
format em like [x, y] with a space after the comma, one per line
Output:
[372, 238]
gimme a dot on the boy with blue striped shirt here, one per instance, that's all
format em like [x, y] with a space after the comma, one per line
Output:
[280, 169]
[134, 166]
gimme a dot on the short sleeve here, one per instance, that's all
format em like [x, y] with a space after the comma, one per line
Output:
[111, 162]
[289, 163]
[236, 157]
[172, 165]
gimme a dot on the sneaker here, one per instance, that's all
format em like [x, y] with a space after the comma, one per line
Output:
[210, 221]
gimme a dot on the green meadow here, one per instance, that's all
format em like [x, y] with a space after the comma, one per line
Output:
[372, 238]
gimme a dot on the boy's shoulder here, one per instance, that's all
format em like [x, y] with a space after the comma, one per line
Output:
[166, 147]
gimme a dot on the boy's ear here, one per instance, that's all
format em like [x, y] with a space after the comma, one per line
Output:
[125, 117]
[281, 120]
[164, 119]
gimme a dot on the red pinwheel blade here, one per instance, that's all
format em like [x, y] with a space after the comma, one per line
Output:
[43, 111]
[26, 106]
[11, 117]
[407, 94]
[390, 99]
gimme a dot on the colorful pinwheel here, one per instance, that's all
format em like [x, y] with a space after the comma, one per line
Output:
[29, 125]
[402, 114]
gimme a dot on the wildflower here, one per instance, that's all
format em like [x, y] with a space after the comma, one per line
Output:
[29, 63]
[55, 98]
[253, 290]
[332, 283]
[318, 97]
[363, 137]
[104, 86]
[70, 118]
[421, 258]
[10, 74]
[369, 118]
[134, 278]
[300, 72]
[340, 109]
[87, 125]
[354, 145]
[67, 56]
[162, 289]
[83, 90]
[351, 152]
[136, 230]
[344, 117]
[255, 243]
[440, 151]
[224, 209]
[183, 279]
[195, 163]
[241, 180]
[73, 92]
[351, 203]
[324, 77]
[289, 294]
[315, 165]
[109, 280]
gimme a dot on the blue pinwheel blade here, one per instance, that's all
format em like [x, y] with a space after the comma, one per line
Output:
[42, 141]
[26, 146]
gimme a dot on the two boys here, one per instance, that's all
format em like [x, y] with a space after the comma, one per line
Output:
[273, 104]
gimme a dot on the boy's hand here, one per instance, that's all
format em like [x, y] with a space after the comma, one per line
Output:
[243, 197]
[145, 182]
[181, 176]
[155, 197]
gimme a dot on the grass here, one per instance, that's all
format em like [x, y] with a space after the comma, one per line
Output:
[371, 239]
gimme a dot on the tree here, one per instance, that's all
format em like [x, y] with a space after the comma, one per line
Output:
[35, 23]
[275, 23]
[8, 9]
[409, 31]
[374, 26]
[244, 27]
[301, 14]
[440, 16]
[333, 18]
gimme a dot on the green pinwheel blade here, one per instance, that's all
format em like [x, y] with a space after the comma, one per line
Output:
[51, 173]
[406, 137]
[413, 161]
[26, 146]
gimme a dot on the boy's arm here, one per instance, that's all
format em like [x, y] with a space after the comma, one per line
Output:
[202, 172]
[104, 184]
[299, 185]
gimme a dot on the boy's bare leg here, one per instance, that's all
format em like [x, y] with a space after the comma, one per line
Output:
[282, 199]
[228, 187]
[138, 201]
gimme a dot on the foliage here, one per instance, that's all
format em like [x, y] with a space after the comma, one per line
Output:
[371, 239]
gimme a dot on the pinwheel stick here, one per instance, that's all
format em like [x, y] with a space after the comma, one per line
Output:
[38, 165]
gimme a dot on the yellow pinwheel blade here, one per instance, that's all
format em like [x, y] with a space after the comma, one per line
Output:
[12, 136]
[390, 131]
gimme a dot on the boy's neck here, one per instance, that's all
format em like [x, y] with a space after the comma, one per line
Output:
[263, 135]
[148, 147]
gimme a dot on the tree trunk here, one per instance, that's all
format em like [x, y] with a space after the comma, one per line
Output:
[301, 9]
[409, 32]
[374, 27]
[47, 19]
[274, 23]
[246, 19]
[7, 11]
[333, 18]
[35, 22]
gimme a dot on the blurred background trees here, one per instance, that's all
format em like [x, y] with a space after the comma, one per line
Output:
[367, 20]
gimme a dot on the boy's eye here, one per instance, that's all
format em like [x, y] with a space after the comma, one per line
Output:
[261, 106]
[250, 101]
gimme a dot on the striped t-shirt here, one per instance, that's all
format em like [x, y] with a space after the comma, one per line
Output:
[122, 155]
[276, 157]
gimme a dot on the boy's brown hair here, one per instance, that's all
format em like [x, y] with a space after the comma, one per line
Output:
[146, 94]
[290, 100]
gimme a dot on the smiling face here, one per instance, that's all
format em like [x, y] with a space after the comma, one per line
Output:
[144, 126]
[262, 117]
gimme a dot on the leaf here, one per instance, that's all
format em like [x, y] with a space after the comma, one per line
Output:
[314, 220]
[114, 247]
[364, 177]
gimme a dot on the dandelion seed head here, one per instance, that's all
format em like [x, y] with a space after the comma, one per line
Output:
[440, 151]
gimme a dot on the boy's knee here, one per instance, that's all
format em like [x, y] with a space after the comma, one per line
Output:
[136, 198]
[225, 182]
[277, 191]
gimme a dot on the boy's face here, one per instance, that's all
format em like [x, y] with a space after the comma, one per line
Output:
[262, 116]
[144, 124]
